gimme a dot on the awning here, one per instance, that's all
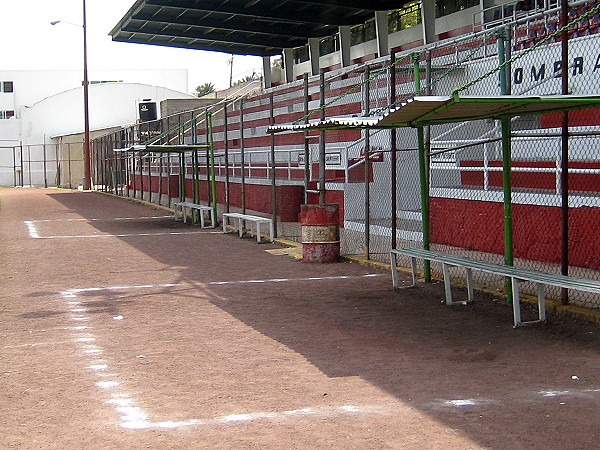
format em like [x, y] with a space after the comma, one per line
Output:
[432, 110]
[249, 27]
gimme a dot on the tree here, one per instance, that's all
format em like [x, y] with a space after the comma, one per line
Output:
[247, 79]
[205, 89]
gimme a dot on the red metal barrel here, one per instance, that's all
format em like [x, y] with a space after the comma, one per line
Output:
[320, 233]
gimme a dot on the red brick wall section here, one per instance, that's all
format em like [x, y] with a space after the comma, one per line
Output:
[582, 117]
[479, 226]
[258, 197]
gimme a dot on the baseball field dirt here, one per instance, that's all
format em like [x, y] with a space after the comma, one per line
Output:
[123, 328]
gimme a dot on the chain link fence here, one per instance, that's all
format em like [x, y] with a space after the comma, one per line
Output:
[375, 175]
[42, 165]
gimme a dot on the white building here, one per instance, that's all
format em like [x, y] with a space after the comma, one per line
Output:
[37, 108]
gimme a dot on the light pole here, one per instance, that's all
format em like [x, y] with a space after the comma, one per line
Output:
[87, 163]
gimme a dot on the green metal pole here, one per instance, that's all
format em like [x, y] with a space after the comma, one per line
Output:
[182, 177]
[506, 175]
[211, 147]
[422, 174]
[196, 214]
[196, 184]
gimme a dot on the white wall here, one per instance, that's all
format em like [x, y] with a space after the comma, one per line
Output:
[32, 86]
[110, 104]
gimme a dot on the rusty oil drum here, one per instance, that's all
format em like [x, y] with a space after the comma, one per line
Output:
[320, 233]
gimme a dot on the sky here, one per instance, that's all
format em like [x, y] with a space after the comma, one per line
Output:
[32, 43]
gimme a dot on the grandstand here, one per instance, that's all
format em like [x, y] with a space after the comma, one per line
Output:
[330, 59]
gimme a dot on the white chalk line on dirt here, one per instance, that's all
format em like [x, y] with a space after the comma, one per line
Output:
[106, 380]
[37, 344]
[86, 236]
[32, 229]
[34, 233]
[71, 293]
[111, 219]
[316, 412]
[133, 417]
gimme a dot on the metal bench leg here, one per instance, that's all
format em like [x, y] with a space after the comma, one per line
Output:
[212, 218]
[257, 232]
[224, 224]
[201, 214]
[413, 266]
[394, 270]
[272, 231]
[469, 285]
[240, 223]
[541, 302]
[447, 288]
[516, 302]
[184, 214]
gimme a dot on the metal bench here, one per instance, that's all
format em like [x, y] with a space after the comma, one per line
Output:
[238, 221]
[201, 208]
[516, 274]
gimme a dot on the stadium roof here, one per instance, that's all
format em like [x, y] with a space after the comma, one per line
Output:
[248, 27]
[431, 110]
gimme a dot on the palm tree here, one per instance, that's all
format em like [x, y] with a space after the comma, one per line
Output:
[205, 89]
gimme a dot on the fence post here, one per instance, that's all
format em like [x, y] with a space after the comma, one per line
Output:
[141, 167]
[506, 170]
[181, 176]
[213, 175]
[322, 139]
[242, 159]
[69, 165]
[207, 156]
[226, 148]
[273, 167]
[58, 166]
[14, 166]
[169, 192]
[45, 166]
[160, 177]
[196, 163]
[367, 101]
[394, 155]
[564, 174]
[423, 169]
[306, 142]
[29, 164]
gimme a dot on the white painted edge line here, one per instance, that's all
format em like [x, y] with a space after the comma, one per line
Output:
[233, 419]
[32, 229]
[83, 236]
[37, 344]
[100, 219]
[133, 417]
[70, 293]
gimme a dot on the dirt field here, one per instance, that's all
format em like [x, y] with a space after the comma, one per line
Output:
[122, 328]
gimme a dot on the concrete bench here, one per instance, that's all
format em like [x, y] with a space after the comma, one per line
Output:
[238, 221]
[516, 274]
[201, 208]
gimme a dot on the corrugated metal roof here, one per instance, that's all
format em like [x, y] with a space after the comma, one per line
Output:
[252, 27]
[431, 110]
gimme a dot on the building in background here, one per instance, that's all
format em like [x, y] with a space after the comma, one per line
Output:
[38, 109]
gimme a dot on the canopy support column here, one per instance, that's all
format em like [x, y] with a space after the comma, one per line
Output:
[506, 170]
[422, 173]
